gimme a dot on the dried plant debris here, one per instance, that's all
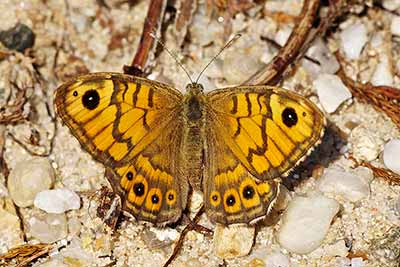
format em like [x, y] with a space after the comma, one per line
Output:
[25, 254]
[391, 177]
[14, 111]
[382, 98]
[109, 208]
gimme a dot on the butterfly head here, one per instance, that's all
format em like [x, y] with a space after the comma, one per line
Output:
[194, 89]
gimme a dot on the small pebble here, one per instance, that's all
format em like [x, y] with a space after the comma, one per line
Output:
[10, 231]
[53, 262]
[48, 228]
[233, 241]
[391, 5]
[331, 91]
[351, 186]
[19, 37]
[320, 51]
[353, 40]
[28, 178]
[337, 249]
[357, 262]
[238, 66]
[277, 259]
[395, 26]
[383, 73]
[306, 222]
[57, 200]
[3, 190]
[391, 155]
[366, 142]
[74, 253]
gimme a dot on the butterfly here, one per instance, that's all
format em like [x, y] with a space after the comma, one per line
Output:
[232, 144]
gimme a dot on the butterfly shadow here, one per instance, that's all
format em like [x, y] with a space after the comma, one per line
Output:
[332, 144]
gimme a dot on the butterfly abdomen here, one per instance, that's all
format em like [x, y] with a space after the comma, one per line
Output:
[193, 138]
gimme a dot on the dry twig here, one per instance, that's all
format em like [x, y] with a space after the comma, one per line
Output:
[193, 225]
[299, 40]
[12, 113]
[272, 73]
[147, 46]
[386, 174]
[25, 254]
[383, 98]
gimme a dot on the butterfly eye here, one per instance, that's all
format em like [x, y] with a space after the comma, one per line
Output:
[75, 93]
[289, 117]
[91, 99]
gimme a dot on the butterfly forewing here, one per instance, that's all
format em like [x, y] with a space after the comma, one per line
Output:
[115, 116]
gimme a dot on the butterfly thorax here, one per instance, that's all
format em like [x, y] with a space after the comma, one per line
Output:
[193, 136]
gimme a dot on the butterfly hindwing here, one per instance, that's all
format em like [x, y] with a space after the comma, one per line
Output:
[152, 187]
[231, 193]
[268, 129]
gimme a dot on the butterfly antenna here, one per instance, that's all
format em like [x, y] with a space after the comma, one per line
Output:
[228, 44]
[173, 55]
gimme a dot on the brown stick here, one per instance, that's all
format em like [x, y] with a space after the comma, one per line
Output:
[191, 226]
[147, 45]
[273, 72]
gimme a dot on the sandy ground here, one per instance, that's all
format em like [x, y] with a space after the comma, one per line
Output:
[93, 38]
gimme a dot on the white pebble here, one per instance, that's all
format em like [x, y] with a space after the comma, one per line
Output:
[10, 231]
[395, 26]
[391, 155]
[57, 200]
[331, 91]
[353, 40]
[306, 222]
[53, 262]
[391, 5]
[3, 190]
[233, 241]
[366, 142]
[49, 228]
[337, 249]
[357, 262]
[239, 66]
[283, 35]
[28, 178]
[277, 259]
[383, 73]
[320, 51]
[353, 187]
